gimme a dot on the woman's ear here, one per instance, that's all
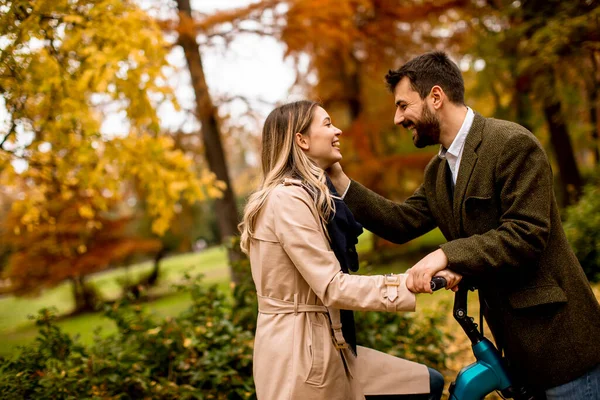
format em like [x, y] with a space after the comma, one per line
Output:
[302, 140]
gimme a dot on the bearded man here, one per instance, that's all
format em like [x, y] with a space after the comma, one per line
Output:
[489, 190]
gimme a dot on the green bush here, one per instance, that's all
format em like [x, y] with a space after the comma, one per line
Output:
[200, 354]
[203, 353]
[582, 227]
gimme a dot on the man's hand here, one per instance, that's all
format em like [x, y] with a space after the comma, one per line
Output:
[339, 179]
[421, 273]
[452, 278]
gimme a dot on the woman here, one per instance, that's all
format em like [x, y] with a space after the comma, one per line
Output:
[300, 351]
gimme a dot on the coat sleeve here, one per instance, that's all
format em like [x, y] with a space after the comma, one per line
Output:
[524, 181]
[396, 222]
[299, 231]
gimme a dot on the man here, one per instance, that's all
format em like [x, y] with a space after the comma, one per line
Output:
[489, 190]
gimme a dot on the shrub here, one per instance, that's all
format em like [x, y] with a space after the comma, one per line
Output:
[582, 227]
[200, 354]
[37, 371]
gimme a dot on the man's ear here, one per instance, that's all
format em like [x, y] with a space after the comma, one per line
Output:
[437, 97]
[302, 141]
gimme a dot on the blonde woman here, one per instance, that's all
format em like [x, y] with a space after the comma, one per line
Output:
[301, 348]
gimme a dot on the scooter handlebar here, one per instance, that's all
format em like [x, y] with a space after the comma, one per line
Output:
[437, 283]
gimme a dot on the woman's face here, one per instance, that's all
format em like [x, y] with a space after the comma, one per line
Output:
[321, 143]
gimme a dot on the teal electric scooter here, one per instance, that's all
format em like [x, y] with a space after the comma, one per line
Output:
[488, 373]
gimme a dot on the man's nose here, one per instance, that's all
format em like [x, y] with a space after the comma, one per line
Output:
[398, 118]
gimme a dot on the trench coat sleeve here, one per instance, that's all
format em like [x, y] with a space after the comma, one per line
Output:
[395, 222]
[524, 181]
[299, 231]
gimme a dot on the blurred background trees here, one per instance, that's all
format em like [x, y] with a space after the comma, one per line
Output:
[93, 177]
[64, 67]
[123, 167]
[68, 67]
[533, 62]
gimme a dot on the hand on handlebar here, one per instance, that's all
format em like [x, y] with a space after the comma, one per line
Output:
[422, 272]
[452, 278]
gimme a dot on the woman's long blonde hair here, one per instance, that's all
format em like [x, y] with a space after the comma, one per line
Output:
[283, 158]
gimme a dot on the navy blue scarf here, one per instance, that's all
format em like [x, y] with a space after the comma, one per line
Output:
[344, 232]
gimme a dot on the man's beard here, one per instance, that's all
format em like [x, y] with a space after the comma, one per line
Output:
[427, 129]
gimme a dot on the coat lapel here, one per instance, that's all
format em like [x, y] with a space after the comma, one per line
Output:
[467, 164]
[444, 200]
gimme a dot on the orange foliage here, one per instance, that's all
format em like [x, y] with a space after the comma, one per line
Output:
[70, 245]
[351, 45]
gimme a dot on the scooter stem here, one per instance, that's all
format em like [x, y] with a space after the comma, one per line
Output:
[460, 314]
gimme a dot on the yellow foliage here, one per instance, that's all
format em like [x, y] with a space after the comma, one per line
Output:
[56, 71]
[62, 63]
[85, 211]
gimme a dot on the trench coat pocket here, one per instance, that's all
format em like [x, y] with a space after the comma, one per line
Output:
[536, 296]
[316, 373]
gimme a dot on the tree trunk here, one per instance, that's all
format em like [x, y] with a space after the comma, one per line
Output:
[557, 126]
[561, 142]
[594, 104]
[153, 277]
[595, 135]
[595, 122]
[85, 297]
[522, 101]
[226, 208]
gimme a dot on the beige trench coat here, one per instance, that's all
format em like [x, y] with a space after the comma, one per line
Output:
[298, 280]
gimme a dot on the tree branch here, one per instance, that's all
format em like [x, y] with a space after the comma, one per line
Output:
[10, 132]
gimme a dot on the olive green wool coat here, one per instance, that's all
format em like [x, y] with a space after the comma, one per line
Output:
[504, 231]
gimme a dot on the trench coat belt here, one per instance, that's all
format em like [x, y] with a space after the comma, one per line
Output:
[270, 305]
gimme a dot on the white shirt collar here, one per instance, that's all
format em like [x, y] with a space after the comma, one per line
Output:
[459, 141]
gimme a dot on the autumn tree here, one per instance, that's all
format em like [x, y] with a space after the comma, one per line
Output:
[350, 46]
[536, 52]
[70, 247]
[207, 114]
[64, 67]
[542, 47]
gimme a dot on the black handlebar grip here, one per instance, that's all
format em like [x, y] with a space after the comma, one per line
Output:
[437, 283]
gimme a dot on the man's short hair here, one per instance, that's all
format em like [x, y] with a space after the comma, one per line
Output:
[428, 70]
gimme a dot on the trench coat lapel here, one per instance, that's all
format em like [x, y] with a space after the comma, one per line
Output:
[467, 164]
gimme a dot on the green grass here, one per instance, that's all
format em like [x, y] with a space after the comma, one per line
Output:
[17, 329]
[212, 263]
